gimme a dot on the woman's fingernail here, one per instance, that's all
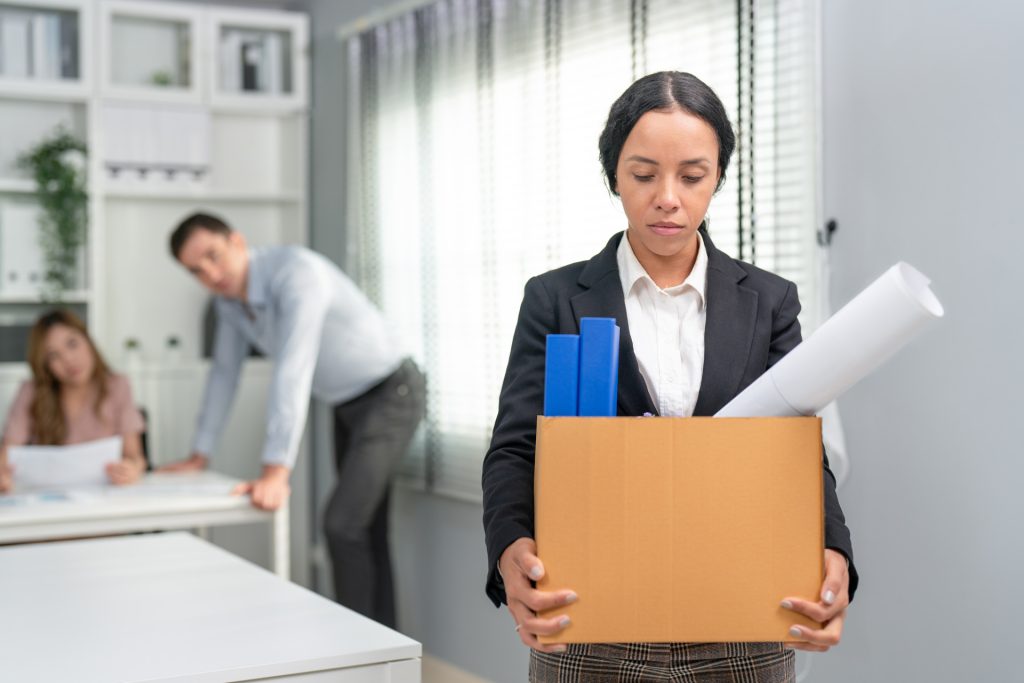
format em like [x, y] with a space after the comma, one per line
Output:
[794, 631]
[563, 622]
[829, 598]
[559, 650]
[536, 572]
[571, 598]
[786, 604]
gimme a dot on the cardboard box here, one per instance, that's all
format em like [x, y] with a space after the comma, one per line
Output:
[680, 529]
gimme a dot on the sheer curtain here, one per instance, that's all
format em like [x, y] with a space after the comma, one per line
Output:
[472, 131]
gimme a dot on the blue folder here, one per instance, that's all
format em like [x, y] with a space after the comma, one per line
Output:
[599, 367]
[561, 374]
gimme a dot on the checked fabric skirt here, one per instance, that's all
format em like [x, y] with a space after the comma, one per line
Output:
[668, 662]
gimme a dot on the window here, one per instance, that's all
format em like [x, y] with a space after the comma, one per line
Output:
[472, 130]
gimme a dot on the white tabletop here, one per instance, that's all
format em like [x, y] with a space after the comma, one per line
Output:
[159, 501]
[170, 607]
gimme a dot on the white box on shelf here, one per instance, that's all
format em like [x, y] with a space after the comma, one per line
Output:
[155, 146]
[21, 258]
[44, 49]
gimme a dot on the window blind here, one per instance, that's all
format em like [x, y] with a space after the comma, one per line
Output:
[472, 130]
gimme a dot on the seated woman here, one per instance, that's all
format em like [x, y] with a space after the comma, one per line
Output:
[72, 397]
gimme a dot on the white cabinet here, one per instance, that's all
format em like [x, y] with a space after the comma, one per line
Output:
[151, 51]
[44, 49]
[260, 59]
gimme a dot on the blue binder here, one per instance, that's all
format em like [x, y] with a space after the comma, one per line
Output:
[561, 374]
[599, 367]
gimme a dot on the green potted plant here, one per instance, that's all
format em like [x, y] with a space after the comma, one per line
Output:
[57, 165]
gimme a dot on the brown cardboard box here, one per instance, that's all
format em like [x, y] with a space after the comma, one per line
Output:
[679, 529]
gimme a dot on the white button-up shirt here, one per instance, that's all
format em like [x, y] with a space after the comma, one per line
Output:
[667, 330]
[324, 336]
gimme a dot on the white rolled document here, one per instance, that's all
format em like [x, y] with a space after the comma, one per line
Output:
[848, 347]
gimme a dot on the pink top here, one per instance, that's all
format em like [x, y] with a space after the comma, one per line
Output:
[118, 416]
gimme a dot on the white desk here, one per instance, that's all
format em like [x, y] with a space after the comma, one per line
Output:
[159, 502]
[172, 607]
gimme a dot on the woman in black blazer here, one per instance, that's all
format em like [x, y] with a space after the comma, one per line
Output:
[665, 150]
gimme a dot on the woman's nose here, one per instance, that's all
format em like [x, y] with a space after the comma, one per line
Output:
[668, 196]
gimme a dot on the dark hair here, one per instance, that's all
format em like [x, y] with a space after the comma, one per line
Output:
[661, 91]
[197, 221]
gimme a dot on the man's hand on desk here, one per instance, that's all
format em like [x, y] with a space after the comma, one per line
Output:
[270, 491]
[193, 463]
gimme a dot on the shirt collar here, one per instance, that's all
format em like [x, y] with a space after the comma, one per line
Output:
[256, 287]
[631, 271]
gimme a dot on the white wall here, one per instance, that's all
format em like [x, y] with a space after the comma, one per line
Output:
[922, 150]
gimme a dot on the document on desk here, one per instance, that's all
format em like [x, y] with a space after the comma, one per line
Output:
[53, 467]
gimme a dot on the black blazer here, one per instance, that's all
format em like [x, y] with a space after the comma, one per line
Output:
[751, 324]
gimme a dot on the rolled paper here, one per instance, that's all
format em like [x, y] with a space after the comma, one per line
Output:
[848, 347]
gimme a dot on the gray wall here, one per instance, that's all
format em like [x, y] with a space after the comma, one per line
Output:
[923, 112]
[922, 142]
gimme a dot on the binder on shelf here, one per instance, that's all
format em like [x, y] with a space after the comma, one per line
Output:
[68, 47]
[252, 56]
[15, 43]
[561, 374]
[599, 367]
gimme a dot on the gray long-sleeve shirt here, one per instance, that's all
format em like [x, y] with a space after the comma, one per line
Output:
[322, 334]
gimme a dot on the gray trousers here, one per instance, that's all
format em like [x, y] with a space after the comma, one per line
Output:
[666, 663]
[371, 434]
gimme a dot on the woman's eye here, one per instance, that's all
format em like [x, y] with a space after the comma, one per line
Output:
[692, 179]
[643, 178]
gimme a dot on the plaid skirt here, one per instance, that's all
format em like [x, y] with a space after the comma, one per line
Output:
[669, 662]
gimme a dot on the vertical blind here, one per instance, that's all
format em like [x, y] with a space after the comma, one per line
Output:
[472, 130]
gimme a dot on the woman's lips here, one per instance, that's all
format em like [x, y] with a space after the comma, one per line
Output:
[666, 229]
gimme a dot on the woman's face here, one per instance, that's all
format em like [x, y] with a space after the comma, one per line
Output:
[69, 355]
[666, 176]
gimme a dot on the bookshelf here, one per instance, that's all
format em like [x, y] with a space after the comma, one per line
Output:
[171, 128]
[183, 107]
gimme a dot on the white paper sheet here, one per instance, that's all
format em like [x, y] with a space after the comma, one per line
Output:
[54, 467]
[848, 347]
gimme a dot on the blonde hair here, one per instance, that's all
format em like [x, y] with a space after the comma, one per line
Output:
[49, 426]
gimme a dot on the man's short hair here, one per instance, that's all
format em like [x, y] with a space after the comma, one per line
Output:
[188, 227]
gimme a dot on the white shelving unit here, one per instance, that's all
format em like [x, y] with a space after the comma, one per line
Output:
[183, 107]
[143, 84]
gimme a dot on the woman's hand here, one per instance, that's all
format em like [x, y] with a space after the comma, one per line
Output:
[519, 565]
[125, 471]
[6, 477]
[829, 610]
